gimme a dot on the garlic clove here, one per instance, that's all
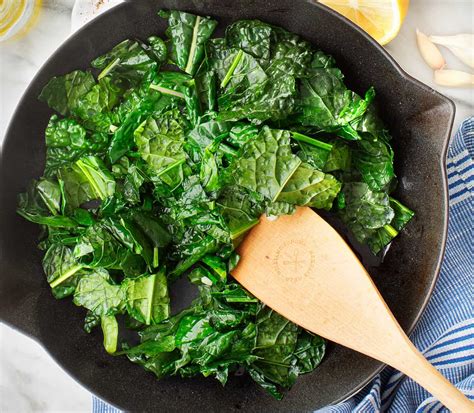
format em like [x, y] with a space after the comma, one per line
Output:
[453, 78]
[430, 53]
[461, 45]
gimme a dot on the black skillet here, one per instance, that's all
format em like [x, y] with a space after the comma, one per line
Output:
[419, 119]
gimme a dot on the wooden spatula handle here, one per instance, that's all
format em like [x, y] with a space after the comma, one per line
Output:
[413, 364]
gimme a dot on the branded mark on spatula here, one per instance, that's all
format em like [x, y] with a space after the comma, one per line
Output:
[293, 260]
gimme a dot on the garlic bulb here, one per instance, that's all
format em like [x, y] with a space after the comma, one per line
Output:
[454, 78]
[461, 45]
[429, 51]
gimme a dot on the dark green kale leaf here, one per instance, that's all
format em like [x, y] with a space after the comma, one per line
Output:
[151, 226]
[402, 214]
[188, 35]
[327, 105]
[290, 55]
[137, 106]
[310, 187]
[160, 142]
[85, 180]
[206, 87]
[340, 157]
[309, 352]
[277, 51]
[193, 248]
[273, 100]
[172, 84]
[266, 163]
[373, 159]
[241, 133]
[62, 270]
[35, 208]
[147, 298]
[284, 352]
[65, 133]
[133, 181]
[365, 207]
[67, 141]
[383, 236]
[95, 108]
[243, 73]
[132, 237]
[370, 125]
[275, 346]
[239, 210]
[77, 187]
[208, 135]
[246, 91]
[51, 194]
[98, 294]
[156, 49]
[278, 208]
[252, 36]
[99, 177]
[211, 338]
[129, 61]
[91, 321]
[98, 248]
[369, 215]
[64, 93]
[311, 150]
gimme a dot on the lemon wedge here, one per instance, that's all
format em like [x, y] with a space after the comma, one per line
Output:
[381, 19]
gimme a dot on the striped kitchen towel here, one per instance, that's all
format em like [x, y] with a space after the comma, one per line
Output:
[445, 332]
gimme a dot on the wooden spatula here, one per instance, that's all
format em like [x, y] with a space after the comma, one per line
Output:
[300, 266]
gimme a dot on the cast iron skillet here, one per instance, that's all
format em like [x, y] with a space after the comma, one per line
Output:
[419, 118]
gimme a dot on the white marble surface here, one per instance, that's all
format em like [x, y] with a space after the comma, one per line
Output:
[30, 381]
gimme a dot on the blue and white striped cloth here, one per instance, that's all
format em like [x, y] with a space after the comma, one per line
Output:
[445, 333]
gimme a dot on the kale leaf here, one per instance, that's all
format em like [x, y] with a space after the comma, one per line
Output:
[188, 34]
[266, 163]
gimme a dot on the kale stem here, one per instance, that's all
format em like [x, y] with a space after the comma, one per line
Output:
[155, 257]
[90, 178]
[227, 150]
[150, 294]
[108, 68]
[47, 202]
[390, 230]
[231, 70]
[192, 50]
[167, 91]
[311, 141]
[171, 166]
[241, 300]
[273, 363]
[65, 276]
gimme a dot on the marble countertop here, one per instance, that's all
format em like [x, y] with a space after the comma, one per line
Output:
[30, 381]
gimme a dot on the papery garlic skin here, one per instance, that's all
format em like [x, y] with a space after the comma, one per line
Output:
[453, 78]
[461, 45]
[430, 53]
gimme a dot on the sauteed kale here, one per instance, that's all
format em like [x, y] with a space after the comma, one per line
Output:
[162, 157]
